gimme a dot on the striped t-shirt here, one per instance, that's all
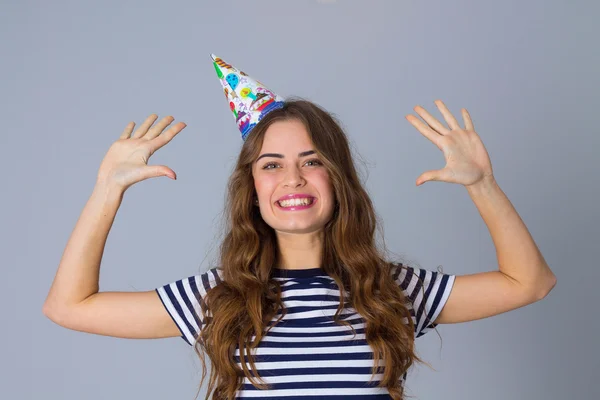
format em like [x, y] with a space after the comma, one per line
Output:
[307, 355]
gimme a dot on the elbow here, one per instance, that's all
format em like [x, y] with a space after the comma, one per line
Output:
[52, 313]
[48, 311]
[544, 290]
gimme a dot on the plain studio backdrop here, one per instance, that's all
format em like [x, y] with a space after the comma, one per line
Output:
[75, 73]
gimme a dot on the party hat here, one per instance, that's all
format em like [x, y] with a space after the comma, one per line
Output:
[248, 99]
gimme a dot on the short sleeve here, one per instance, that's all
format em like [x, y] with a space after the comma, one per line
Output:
[181, 300]
[426, 296]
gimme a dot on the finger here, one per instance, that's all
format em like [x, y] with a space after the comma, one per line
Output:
[159, 127]
[468, 122]
[166, 137]
[425, 130]
[431, 120]
[153, 171]
[141, 131]
[444, 175]
[452, 122]
[127, 131]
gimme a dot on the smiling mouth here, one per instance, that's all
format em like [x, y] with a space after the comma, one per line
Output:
[296, 202]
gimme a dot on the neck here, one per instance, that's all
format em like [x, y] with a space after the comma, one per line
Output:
[300, 250]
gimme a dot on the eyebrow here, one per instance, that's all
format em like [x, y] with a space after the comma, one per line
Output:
[302, 154]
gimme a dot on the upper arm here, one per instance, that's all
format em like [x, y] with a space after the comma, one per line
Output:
[170, 310]
[182, 301]
[135, 315]
[483, 295]
[426, 291]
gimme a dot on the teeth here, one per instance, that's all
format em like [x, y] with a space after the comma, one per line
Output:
[295, 202]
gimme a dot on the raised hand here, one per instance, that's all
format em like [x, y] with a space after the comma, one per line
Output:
[126, 161]
[467, 160]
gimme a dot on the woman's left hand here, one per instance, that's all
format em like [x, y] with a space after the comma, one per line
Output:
[467, 160]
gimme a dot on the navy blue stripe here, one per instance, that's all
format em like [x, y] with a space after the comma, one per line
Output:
[438, 296]
[196, 293]
[341, 343]
[317, 385]
[332, 287]
[309, 357]
[342, 336]
[310, 322]
[299, 309]
[420, 312]
[313, 371]
[216, 277]
[178, 327]
[319, 334]
[397, 269]
[406, 282]
[341, 397]
[205, 281]
[328, 322]
[179, 310]
[189, 305]
[314, 297]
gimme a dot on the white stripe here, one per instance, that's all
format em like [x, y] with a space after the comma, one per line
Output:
[416, 304]
[190, 295]
[443, 299]
[186, 311]
[310, 303]
[303, 339]
[300, 329]
[313, 392]
[315, 314]
[311, 292]
[310, 364]
[309, 350]
[413, 281]
[165, 297]
[202, 290]
[318, 378]
[307, 371]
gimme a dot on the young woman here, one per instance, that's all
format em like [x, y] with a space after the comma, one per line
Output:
[303, 302]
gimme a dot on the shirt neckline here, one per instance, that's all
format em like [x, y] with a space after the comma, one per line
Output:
[298, 273]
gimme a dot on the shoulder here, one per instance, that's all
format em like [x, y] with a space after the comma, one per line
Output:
[192, 287]
[413, 280]
[207, 280]
[212, 277]
[404, 275]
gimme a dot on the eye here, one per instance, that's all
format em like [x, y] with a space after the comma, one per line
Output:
[274, 164]
[266, 166]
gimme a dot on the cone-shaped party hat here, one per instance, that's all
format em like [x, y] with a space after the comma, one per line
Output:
[248, 99]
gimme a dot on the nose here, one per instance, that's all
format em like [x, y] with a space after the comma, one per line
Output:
[293, 178]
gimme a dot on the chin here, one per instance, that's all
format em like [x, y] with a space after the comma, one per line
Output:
[297, 228]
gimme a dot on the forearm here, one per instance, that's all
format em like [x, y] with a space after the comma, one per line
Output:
[518, 255]
[79, 269]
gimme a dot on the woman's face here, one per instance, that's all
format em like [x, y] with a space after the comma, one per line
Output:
[286, 166]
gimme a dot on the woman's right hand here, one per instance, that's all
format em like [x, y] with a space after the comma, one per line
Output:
[126, 162]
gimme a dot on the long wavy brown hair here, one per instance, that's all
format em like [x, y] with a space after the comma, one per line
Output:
[246, 301]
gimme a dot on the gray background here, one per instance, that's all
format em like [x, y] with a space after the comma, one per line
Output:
[74, 73]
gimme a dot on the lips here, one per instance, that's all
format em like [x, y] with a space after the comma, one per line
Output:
[291, 196]
[295, 196]
[297, 207]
